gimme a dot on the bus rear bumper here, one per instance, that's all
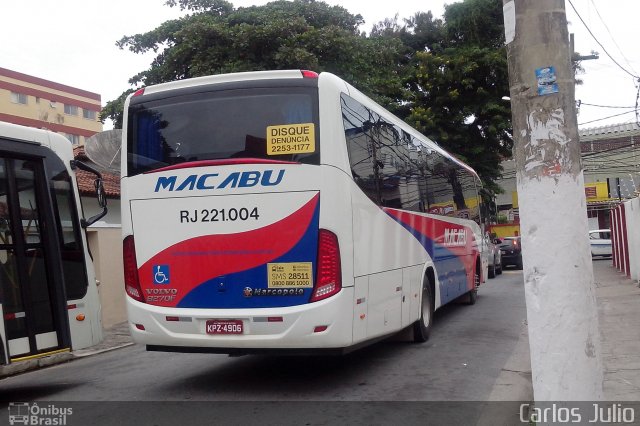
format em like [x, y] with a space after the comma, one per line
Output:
[325, 324]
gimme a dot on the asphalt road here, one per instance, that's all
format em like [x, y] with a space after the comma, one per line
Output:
[467, 351]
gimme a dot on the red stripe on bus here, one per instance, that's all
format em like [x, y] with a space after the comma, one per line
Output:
[200, 259]
[434, 230]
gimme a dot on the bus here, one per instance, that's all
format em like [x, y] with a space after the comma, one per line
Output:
[48, 294]
[285, 211]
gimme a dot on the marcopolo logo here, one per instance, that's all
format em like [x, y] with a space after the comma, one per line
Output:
[215, 181]
[24, 413]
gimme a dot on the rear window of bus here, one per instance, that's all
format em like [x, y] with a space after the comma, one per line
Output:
[223, 124]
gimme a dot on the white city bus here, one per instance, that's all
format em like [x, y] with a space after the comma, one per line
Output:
[286, 211]
[48, 296]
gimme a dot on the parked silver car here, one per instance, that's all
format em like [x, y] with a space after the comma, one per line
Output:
[494, 258]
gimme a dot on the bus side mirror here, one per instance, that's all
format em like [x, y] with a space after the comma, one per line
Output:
[100, 194]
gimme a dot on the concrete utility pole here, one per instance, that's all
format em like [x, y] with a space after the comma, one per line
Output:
[559, 287]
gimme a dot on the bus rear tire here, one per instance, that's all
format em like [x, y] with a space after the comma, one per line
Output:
[422, 327]
[472, 296]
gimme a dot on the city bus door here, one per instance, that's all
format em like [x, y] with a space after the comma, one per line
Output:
[31, 282]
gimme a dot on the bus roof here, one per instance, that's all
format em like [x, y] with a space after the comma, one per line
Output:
[56, 142]
[24, 134]
[224, 78]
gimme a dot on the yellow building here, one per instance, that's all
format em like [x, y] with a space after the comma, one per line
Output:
[36, 102]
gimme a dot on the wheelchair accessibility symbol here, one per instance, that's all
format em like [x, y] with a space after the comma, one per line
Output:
[161, 274]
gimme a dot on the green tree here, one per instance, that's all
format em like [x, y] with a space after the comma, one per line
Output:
[216, 38]
[459, 76]
[115, 108]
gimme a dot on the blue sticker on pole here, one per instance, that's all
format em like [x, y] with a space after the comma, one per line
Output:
[547, 81]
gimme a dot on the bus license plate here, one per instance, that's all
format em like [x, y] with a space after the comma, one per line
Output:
[224, 327]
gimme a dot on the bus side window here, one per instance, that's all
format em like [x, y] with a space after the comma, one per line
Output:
[383, 158]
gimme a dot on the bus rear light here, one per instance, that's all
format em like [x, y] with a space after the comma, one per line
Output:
[274, 319]
[309, 74]
[131, 280]
[80, 317]
[172, 318]
[329, 272]
[139, 92]
[320, 328]
[140, 327]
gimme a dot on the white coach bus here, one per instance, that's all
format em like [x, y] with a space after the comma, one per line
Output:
[286, 211]
[49, 300]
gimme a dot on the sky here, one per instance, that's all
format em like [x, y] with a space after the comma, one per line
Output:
[73, 42]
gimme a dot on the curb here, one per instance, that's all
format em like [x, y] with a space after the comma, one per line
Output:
[34, 364]
[83, 353]
[47, 361]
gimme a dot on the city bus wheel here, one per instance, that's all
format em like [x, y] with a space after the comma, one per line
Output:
[422, 327]
[473, 294]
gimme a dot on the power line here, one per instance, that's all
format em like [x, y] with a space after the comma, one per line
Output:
[605, 106]
[610, 116]
[611, 35]
[600, 44]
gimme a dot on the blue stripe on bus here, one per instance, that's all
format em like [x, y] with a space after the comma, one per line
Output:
[448, 265]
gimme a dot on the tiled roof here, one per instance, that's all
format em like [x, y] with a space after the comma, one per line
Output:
[609, 138]
[85, 180]
[609, 132]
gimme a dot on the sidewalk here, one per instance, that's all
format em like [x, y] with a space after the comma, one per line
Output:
[114, 338]
[618, 299]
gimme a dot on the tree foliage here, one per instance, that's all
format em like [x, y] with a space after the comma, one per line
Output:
[459, 76]
[445, 76]
[304, 34]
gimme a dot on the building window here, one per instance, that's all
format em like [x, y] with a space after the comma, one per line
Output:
[88, 114]
[75, 139]
[18, 98]
[70, 109]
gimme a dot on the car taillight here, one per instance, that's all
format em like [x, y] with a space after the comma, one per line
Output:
[131, 281]
[329, 272]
